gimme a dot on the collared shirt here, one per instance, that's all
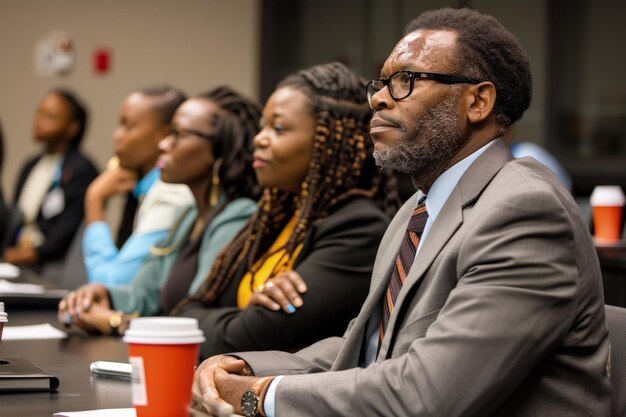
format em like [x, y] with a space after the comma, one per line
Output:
[437, 197]
[159, 204]
[145, 183]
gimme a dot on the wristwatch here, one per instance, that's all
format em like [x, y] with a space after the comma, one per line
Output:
[250, 403]
[115, 321]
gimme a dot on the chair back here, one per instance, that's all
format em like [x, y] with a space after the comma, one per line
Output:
[616, 321]
[12, 223]
[70, 273]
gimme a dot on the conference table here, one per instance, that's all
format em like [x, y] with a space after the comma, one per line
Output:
[69, 360]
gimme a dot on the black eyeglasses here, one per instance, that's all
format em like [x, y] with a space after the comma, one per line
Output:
[400, 83]
[177, 132]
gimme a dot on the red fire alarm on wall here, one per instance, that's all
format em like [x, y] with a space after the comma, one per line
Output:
[101, 61]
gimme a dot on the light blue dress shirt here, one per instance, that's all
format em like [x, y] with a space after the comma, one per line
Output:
[105, 263]
[437, 196]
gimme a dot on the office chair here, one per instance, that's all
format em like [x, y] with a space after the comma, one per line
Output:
[616, 321]
[12, 223]
[70, 273]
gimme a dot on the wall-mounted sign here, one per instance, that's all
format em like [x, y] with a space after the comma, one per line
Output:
[101, 61]
[54, 55]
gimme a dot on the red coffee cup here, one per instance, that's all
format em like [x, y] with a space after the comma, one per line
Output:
[607, 203]
[163, 352]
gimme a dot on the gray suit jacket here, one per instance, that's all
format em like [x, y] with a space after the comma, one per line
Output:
[502, 313]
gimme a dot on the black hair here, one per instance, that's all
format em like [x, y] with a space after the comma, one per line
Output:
[166, 100]
[235, 129]
[78, 114]
[487, 51]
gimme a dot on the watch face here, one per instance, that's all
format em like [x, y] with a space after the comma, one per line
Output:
[115, 320]
[249, 403]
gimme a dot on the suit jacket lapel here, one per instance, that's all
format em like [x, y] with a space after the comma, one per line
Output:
[349, 355]
[471, 184]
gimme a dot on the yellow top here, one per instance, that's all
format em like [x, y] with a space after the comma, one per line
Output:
[272, 261]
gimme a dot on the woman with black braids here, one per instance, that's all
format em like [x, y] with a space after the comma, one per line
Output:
[320, 219]
[209, 148]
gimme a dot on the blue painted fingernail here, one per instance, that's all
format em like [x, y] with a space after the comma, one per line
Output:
[291, 309]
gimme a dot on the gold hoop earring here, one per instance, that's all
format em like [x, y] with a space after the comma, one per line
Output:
[215, 184]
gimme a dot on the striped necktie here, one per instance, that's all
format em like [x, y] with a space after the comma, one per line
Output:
[404, 260]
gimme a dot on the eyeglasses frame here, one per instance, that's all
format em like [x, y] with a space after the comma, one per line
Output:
[416, 75]
[175, 133]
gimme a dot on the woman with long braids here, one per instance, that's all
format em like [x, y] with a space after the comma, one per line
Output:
[209, 148]
[317, 229]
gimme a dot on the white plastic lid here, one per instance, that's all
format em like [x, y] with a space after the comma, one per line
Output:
[164, 331]
[3, 316]
[607, 195]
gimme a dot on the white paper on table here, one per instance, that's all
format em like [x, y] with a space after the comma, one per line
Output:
[35, 331]
[9, 271]
[111, 412]
[12, 287]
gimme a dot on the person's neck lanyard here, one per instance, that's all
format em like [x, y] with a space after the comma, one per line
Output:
[56, 176]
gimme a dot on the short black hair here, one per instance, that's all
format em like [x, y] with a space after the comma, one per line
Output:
[78, 113]
[487, 51]
[166, 101]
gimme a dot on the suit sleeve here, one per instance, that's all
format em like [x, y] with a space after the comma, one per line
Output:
[337, 272]
[63, 228]
[514, 301]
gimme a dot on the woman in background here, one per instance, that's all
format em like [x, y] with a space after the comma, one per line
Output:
[209, 148]
[51, 186]
[320, 219]
[151, 206]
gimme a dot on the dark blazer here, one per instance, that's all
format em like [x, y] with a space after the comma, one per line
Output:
[76, 175]
[336, 263]
[501, 314]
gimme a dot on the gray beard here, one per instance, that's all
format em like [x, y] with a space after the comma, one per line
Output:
[426, 147]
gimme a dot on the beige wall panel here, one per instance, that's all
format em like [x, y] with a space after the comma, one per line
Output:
[191, 44]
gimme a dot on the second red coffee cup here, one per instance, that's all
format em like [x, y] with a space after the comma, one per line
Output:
[607, 202]
[163, 352]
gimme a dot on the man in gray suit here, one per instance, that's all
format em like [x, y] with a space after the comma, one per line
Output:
[500, 312]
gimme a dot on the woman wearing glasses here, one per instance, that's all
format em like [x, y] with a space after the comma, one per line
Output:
[208, 149]
[300, 269]
[151, 204]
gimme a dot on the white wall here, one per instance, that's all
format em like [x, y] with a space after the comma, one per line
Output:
[190, 44]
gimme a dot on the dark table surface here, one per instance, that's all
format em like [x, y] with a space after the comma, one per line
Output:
[69, 360]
